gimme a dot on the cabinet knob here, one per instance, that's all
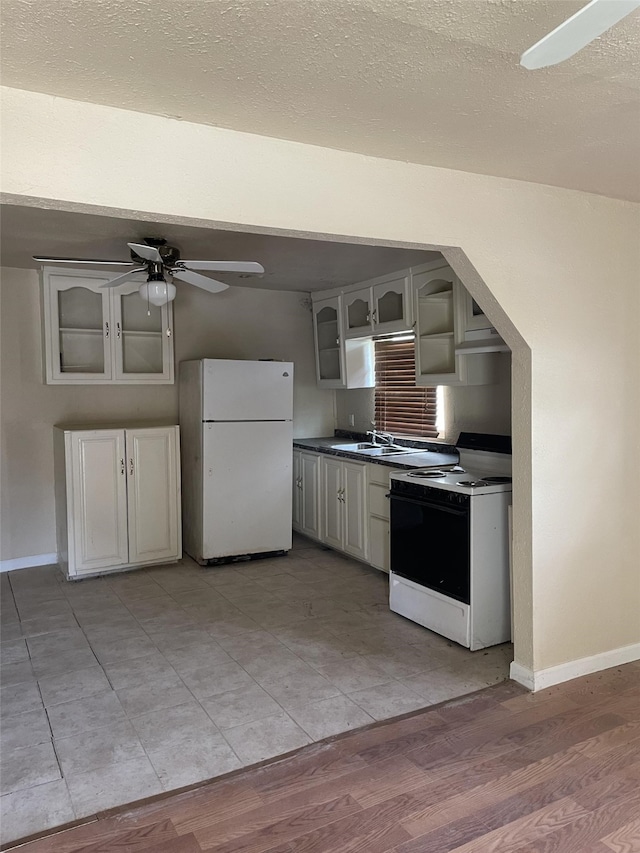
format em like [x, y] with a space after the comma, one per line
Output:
[122, 466]
[106, 328]
[118, 330]
[131, 467]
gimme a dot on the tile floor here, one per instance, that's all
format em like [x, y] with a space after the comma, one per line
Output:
[117, 688]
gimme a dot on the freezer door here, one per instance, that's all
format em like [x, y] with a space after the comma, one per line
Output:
[247, 488]
[247, 390]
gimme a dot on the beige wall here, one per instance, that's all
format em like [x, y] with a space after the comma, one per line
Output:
[471, 408]
[240, 323]
[556, 270]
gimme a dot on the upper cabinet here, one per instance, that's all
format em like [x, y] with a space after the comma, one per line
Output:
[340, 363]
[455, 343]
[441, 306]
[379, 306]
[95, 335]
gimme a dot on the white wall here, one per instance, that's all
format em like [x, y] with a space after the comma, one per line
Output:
[556, 270]
[239, 323]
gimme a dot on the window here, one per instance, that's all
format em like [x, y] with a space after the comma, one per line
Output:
[401, 407]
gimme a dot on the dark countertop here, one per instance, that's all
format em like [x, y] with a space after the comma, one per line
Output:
[430, 458]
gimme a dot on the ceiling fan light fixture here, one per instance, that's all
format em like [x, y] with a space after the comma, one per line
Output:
[158, 293]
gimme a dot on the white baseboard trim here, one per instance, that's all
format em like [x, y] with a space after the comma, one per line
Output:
[538, 680]
[28, 562]
[522, 675]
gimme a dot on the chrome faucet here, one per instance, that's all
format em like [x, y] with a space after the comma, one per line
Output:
[383, 437]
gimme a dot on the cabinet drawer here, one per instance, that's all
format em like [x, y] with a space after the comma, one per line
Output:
[378, 502]
[379, 474]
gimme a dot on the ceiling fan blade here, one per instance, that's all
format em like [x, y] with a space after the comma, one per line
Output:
[198, 280]
[576, 32]
[47, 260]
[122, 278]
[149, 253]
[225, 266]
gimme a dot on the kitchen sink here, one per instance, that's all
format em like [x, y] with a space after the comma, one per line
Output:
[354, 446]
[368, 449]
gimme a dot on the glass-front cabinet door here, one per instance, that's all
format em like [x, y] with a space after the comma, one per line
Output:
[392, 304]
[326, 327]
[384, 306]
[143, 343]
[357, 313]
[78, 329]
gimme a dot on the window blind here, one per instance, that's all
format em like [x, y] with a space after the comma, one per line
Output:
[401, 407]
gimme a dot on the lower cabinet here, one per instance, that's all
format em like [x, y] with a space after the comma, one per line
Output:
[378, 494]
[344, 506]
[306, 493]
[117, 498]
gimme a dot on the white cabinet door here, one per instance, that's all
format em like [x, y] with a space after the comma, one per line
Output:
[306, 493]
[77, 328]
[332, 502]
[142, 342]
[344, 518]
[354, 509]
[356, 307]
[309, 510]
[329, 350]
[392, 310]
[153, 505]
[96, 476]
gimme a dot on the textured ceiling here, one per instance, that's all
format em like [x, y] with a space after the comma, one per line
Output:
[290, 263]
[428, 81]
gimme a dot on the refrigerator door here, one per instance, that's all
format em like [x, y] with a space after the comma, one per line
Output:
[247, 488]
[247, 390]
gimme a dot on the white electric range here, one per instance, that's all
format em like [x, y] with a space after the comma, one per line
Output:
[450, 543]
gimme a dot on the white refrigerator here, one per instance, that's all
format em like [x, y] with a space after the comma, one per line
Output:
[237, 455]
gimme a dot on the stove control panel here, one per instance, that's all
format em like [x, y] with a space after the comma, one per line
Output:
[405, 488]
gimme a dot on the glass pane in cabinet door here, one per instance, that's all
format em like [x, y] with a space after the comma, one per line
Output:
[358, 314]
[390, 307]
[141, 335]
[329, 364]
[81, 331]
[328, 343]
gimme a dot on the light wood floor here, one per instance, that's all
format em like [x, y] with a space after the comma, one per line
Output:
[502, 770]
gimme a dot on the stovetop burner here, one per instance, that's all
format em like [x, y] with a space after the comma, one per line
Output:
[427, 474]
[496, 480]
[472, 483]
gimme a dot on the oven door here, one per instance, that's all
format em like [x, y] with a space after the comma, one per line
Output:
[430, 543]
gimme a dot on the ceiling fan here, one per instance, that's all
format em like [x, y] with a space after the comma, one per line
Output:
[576, 32]
[158, 261]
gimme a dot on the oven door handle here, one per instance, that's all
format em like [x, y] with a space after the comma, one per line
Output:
[429, 505]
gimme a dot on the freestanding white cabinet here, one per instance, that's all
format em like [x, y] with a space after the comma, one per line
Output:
[117, 497]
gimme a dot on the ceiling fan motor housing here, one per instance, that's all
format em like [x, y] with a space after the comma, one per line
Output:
[170, 255]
